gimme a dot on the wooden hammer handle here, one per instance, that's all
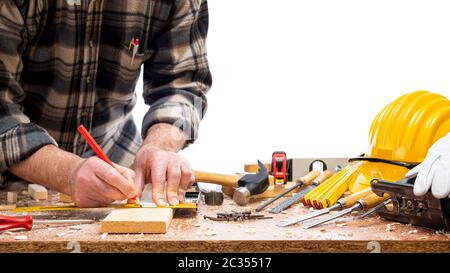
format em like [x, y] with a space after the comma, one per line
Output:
[220, 179]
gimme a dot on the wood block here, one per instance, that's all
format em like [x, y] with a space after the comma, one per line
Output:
[64, 198]
[139, 220]
[38, 192]
[11, 197]
[7, 207]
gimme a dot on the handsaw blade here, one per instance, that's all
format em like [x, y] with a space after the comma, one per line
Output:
[292, 200]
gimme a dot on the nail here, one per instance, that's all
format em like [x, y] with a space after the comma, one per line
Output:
[174, 201]
[181, 197]
[161, 202]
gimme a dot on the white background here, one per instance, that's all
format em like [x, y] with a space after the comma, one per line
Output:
[308, 77]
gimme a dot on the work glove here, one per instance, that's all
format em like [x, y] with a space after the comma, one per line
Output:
[434, 171]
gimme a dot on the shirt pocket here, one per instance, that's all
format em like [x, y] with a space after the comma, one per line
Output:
[130, 63]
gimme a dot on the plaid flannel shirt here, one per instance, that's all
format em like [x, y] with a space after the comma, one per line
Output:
[67, 62]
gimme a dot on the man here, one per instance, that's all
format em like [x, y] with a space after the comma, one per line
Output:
[64, 63]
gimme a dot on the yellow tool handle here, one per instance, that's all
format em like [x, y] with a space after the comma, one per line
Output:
[323, 177]
[221, 179]
[310, 177]
[355, 197]
[372, 200]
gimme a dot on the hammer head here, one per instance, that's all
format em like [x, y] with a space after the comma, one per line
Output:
[251, 184]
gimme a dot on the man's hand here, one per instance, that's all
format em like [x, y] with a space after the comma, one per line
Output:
[91, 182]
[157, 162]
[95, 183]
[434, 171]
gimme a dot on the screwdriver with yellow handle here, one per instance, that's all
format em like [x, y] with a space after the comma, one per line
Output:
[364, 203]
[342, 203]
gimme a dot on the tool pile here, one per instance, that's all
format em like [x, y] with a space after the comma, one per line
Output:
[236, 216]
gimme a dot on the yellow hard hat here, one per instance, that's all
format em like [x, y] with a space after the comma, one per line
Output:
[399, 138]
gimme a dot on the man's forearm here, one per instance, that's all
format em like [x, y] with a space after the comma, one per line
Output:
[165, 136]
[49, 166]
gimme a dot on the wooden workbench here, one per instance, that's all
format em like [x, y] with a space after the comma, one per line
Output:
[192, 233]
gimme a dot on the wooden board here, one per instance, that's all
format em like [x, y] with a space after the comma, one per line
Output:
[141, 220]
[38, 192]
[11, 197]
[64, 198]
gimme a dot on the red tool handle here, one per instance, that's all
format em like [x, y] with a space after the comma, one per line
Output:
[90, 140]
[9, 222]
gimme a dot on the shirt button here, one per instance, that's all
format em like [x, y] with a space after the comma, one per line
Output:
[91, 44]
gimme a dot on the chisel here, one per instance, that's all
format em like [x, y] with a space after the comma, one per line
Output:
[365, 203]
[305, 180]
[296, 198]
[340, 205]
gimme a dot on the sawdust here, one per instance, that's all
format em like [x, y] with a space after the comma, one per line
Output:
[21, 238]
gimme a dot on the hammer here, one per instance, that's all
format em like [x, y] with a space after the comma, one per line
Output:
[247, 185]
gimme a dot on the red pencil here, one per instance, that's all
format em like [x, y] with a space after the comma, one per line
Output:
[99, 152]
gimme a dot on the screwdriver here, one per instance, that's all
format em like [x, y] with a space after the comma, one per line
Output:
[365, 203]
[340, 205]
[99, 152]
[299, 183]
[26, 222]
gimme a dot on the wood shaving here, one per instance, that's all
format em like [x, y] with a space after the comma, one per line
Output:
[210, 232]
[8, 233]
[62, 234]
[103, 236]
[197, 225]
[414, 231]
[423, 238]
[284, 212]
[21, 238]
[390, 227]
[341, 225]
[75, 227]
